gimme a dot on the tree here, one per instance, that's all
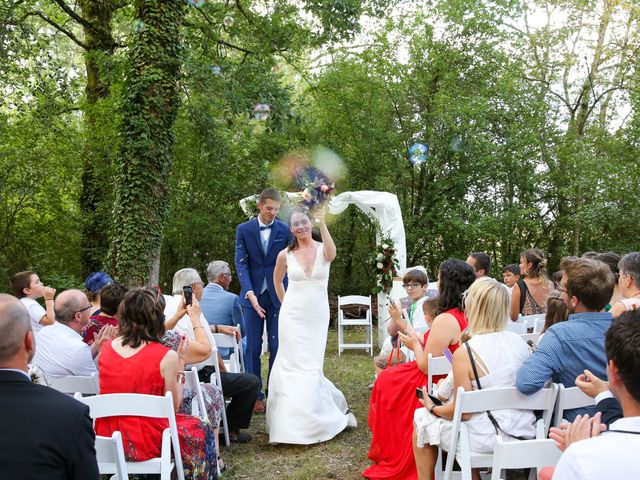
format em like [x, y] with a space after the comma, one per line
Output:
[150, 106]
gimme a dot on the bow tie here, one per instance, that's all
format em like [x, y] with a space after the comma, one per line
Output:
[266, 227]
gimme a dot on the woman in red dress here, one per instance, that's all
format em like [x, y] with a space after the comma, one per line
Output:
[136, 362]
[393, 399]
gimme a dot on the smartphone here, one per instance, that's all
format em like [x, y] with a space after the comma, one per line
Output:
[447, 353]
[433, 398]
[188, 295]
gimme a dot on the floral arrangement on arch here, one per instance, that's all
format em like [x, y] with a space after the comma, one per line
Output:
[385, 265]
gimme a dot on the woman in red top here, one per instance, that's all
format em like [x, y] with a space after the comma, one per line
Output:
[393, 399]
[136, 362]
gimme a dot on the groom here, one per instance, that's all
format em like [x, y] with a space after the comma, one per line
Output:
[258, 243]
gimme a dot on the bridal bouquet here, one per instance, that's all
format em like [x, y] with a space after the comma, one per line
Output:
[316, 188]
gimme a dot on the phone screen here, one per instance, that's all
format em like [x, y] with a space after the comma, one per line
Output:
[419, 393]
[435, 399]
[188, 295]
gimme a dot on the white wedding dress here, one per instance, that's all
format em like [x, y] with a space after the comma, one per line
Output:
[303, 407]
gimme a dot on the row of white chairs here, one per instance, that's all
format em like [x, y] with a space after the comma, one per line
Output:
[109, 450]
[567, 398]
[537, 453]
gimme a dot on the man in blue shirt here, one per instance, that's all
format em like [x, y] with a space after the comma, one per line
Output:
[219, 306]
[569, 348]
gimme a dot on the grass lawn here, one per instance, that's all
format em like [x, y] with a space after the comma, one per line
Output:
[344, 457]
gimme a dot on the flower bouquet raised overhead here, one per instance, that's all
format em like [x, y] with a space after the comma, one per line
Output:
[385, 265]
[316, 188]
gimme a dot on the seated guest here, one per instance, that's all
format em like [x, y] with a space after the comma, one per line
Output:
[198, 350]
[612, 260]
[556, 312]
[628, 283]
[45, 434]
[93, 286]
[568, 348]
[415, 282]
[28, 288]
[136, 362]
[497, 354]
[556, 278]
[219, 306]
[110, 298]
[530, 296]
[61, 350]
[241, 387]
[590, 452]
[481, 263]
[511, 275]
[393, 398]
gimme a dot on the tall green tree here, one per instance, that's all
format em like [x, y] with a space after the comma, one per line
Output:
[150, 107]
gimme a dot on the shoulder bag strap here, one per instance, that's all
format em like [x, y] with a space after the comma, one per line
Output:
[492, 419]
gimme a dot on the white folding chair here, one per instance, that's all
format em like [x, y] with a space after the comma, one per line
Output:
[491, 399]
[538, 325]
[569, 398]
[233, 364]
[216, 378]
[517, 327]
[137, 405]
[73, 384]
[531, 320]
[110, 456]
[534, 454]
[198, 408]
[436, 366]
[363, 322]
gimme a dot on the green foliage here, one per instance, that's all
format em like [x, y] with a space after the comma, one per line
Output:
[150, 107]
[165, 154]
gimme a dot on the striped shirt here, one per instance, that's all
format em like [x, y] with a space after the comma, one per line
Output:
[564, 352]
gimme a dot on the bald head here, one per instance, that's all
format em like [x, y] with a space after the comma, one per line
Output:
[14, 327]
[68, 303]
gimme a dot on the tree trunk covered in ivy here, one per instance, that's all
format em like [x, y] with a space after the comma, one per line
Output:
[96, 195]
[150, 106]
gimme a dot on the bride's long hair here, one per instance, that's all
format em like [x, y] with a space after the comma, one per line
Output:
[314, 233]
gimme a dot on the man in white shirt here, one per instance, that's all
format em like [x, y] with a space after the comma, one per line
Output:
[592, 452]
[60, 350]
[28, 287]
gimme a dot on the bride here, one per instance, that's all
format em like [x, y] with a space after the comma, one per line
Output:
[303, 407]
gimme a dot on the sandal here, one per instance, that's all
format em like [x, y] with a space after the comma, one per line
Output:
[221, 465]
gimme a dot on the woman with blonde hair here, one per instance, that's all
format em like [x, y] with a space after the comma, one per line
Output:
[491, 358]
[529, 295]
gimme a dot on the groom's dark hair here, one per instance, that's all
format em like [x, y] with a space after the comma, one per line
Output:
[270, 194]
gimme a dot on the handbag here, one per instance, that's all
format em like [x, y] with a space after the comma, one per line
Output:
[492, 419]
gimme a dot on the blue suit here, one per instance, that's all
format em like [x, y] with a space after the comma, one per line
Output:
[254, 265]
[222, 308]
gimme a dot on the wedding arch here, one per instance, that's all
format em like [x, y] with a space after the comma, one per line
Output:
[381, 207]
